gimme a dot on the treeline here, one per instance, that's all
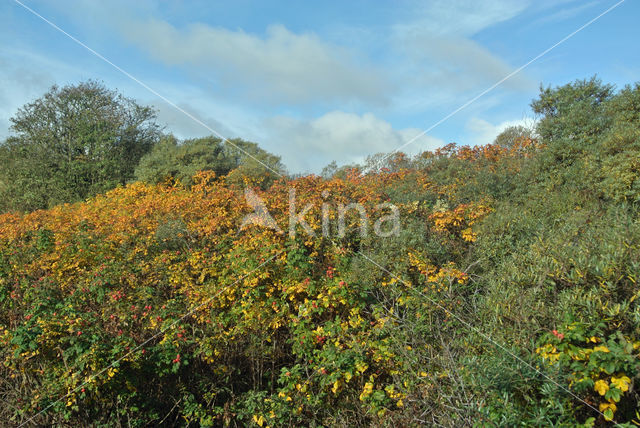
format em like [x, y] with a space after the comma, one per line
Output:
[81, 140]
[510, 296]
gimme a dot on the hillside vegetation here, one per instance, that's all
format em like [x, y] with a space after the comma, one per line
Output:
[509, 296]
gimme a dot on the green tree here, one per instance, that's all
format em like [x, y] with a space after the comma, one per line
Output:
[592, 136]
[512, 134]
[619, 147]
[72, 143]
[171, 159]
[573, 114]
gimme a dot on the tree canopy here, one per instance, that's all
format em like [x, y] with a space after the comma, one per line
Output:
[512, 135]
[592, 133]
[72, 143]
[172, 159]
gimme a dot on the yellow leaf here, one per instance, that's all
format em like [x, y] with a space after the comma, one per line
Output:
[367, 390]
[622, 383]
[258, 419]
[361, 367]
[601, 387]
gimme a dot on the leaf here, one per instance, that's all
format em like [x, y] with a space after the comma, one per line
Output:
[601, 387]
[608, 409]
[378, 395]
[622, 382]
[613, 394]
[609, 367]
[608, 414]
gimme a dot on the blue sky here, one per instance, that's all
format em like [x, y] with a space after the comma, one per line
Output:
[320, 81]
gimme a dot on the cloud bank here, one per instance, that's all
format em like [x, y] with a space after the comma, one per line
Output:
[280, 67]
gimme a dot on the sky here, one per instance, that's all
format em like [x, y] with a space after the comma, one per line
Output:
[315, 82]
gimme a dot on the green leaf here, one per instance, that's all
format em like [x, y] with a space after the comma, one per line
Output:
[608, 414]
[609, 367]
[613, 394]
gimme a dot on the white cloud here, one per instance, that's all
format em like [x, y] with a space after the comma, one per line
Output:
[462, 18]
[282, 66]
[564, 14]
[309, 145]
[440, 54]
[455, 66]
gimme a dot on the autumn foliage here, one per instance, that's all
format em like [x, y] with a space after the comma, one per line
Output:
[257, 325]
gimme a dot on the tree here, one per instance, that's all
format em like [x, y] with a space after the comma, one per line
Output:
[618, 151]
[513, 134]
[572, 114]
[171, 159]
[72, 143]
[592, 137]
[329, 170]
